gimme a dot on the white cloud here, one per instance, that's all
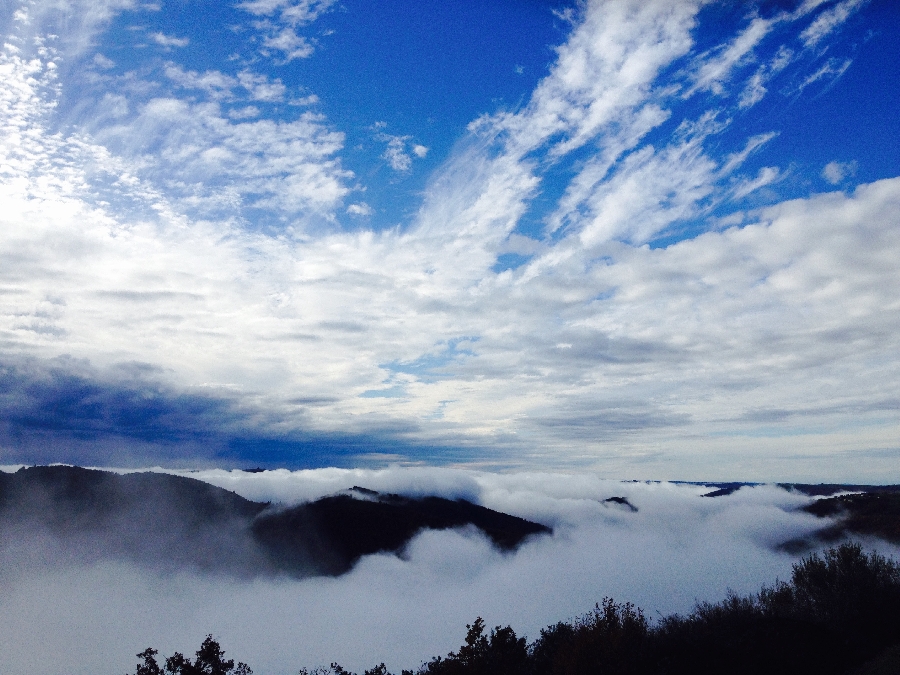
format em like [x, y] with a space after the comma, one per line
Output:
[244, 113]
[169, 40]
[399, 150]
[836, 172]
[261, 88]
[103, 62]
[396, 155]
[295, 12]
[293, 45]
[360, 209]
[755, 89]
[831, 69]
[287, 15]
[713, 72]
[216, 84]
[829, 20]
[753, 144]
[766, 176]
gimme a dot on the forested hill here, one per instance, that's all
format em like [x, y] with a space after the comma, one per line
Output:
[176, 522]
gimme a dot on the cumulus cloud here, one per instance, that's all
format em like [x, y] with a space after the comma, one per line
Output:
[676, 549]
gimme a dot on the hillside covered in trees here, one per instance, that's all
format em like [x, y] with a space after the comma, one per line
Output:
[839, 614]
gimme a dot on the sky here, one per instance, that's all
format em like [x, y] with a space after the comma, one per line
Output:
[61, 616]
[652, 240]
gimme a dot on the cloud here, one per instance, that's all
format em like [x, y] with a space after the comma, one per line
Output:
[766, 176]
[712, 72]
[287, 15]
[360, 209]
[396, 155]
[829, 20]
[836, 172]
[244, 113]
[678, 548]
[831, 69]
[400, 150]
[293, 45]
[754, 90]
[216, 84]
[295, 12]
[103, 62]
[261, 88]
[169, 40]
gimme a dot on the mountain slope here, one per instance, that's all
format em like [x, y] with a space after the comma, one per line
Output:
[173, 522]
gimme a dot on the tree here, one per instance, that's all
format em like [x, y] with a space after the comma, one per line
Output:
[209, 660]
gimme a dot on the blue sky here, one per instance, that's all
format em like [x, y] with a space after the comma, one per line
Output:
[654, 240]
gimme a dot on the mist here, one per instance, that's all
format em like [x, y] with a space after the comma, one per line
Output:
[679, 547]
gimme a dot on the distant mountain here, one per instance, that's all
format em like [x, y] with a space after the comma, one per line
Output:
[876, 514]
[174, 522]
[828, 489]
[868, 510]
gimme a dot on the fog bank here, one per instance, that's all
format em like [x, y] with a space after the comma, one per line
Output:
[677, 548]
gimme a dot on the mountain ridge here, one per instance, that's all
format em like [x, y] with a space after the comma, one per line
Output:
[177, 522]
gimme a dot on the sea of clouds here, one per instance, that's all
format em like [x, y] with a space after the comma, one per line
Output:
[678, 548]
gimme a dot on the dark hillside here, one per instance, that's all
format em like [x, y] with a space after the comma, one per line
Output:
[875, 514]
[342, 528]
[174, 522]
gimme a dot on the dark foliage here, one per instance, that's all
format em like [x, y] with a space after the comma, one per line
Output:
[501, 653]
[210, 660]
[838, 611]
[612, 638]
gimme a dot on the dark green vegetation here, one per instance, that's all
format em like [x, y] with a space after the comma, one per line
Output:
[210, 660]
[175, 522]
[838, 615]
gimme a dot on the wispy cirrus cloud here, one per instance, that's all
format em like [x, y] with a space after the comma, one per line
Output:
[829, 20]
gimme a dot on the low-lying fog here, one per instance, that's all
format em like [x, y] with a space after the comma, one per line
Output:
[678, 548]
